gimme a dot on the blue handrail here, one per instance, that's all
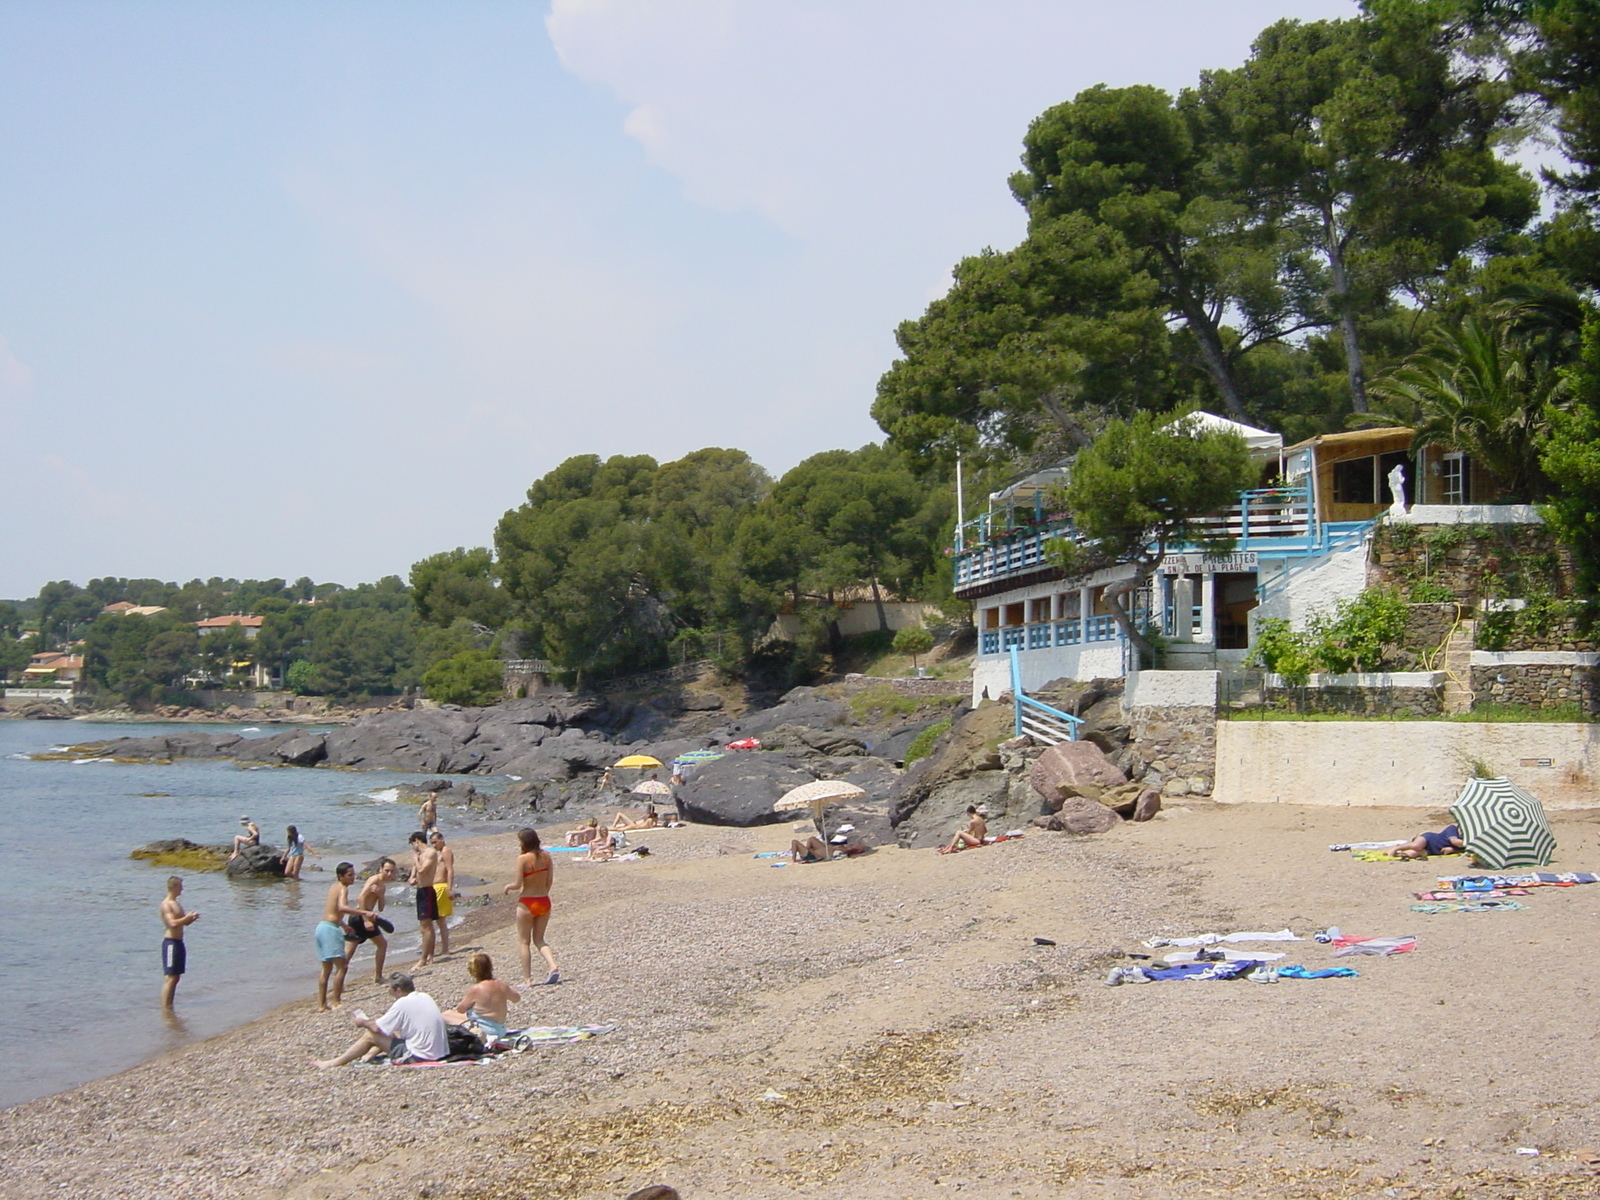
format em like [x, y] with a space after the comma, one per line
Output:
[1068, 723]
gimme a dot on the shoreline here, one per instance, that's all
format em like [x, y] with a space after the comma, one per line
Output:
[869, 1028]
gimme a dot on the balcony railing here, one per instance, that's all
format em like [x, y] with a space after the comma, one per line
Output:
[1046, 634]
[1263, 519]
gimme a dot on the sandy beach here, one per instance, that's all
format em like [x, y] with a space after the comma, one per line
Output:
[887, 1027]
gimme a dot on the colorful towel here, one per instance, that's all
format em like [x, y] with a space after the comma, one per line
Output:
[1529, 879]
[555, 1035]
[1386, 945]
[1367, 845]
[1298, 972]
[1211, 939]
[1493, 894]
[1374, 856]
[1468, 906]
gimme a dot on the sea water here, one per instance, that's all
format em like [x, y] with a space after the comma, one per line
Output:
[81, 977]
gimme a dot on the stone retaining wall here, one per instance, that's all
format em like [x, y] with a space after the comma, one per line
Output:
[909, 686]
[1538, 685]
[1359, 701]
[1178, 746]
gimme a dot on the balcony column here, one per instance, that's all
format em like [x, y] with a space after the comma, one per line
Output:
[1085, 607]
[1183, 609]
[1208, 608]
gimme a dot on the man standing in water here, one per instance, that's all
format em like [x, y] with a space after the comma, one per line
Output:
[330, 937]
[174, 954]
[374, 894]
[444, 888]
[424, 866]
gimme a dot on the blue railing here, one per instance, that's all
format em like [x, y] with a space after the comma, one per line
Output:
[1036, 718]
[1274, 519]
[1045, 634]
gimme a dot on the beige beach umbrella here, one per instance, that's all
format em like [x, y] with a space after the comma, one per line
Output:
[816, 796]
[652, 787]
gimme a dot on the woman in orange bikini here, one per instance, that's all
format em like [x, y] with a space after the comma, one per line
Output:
[534, 870]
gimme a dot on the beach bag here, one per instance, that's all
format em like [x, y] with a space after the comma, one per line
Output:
[464, 1041]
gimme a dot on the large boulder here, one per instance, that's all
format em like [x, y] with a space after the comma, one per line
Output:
[303, 750]
[1080, 815]
[1074, 769]
[945, 809]
[256, 862]
[801, 706]
[740, 789]
[970, 746]
[896, 741]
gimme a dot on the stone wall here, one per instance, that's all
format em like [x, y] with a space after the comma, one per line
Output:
[1427, 627]
[1472, 561]
[909, 685]
[1538, 685]
[1358, 701]
[1178, 747]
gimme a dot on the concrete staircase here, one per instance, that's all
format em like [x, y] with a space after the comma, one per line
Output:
[1457, 667]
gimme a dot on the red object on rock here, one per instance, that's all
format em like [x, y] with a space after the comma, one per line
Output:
[745, 744]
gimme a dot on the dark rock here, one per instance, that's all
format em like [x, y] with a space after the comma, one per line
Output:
[894, 744]
[435, 785]
[688, 701]
[740, 789]
[801, 706]
[945, 809]
[305, 750]
[970, 746]
[256, 862]
[1148, 804]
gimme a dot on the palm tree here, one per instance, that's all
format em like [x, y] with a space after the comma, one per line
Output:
[1478, 388]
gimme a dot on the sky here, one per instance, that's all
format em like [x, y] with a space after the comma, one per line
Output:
[309, 289]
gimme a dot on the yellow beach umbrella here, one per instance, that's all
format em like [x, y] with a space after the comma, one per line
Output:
[637, 760]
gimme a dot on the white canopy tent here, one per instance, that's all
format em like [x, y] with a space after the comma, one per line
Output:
[1261, 443]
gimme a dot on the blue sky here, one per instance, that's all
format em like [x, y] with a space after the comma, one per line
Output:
[318, 289]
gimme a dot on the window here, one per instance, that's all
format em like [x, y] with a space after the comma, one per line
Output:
[1353, 481]
[1453, 477]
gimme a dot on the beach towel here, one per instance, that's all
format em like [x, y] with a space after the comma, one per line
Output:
[1212, 939]
[1202, 971]
[1384, 945]
[1297, 971]
[1367, 845]
[1468, 906]
[1374, 856]
[1188, 956]
[554, 1035]
[1493, 894]
[1523, 879]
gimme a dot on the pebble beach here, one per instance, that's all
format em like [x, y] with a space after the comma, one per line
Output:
[889, 1026]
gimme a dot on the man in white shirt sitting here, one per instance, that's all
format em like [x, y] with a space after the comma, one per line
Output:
[411, 1031]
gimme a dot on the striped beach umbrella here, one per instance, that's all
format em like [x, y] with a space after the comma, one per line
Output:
[1502, 825]
[699, 756]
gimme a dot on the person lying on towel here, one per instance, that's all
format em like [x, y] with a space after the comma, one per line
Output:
[1446, 841]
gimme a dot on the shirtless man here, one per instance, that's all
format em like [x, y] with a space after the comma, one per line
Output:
[972, 836]
[444, 888]
[174, 954]
[330, 936]
[374, 893]
[424, 867]
[428, 814]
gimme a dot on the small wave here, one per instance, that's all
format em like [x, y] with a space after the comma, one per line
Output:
[78, 762]
[386, 795]
[516, 778]
[250, 729]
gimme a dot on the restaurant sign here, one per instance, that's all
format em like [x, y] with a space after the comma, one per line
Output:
[1204, 564]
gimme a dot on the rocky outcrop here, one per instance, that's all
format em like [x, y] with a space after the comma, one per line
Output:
[256, 862]
[1079, 815]
[740, 789]
[1074, 769]
[180, 854]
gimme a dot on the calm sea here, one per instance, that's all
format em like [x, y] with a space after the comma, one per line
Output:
[80, 992]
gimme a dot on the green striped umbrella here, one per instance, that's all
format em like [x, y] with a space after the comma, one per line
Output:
[1502, 825]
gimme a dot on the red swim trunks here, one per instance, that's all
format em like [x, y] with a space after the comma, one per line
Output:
[539, 906]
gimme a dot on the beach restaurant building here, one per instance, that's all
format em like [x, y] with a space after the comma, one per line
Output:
[1299, 541]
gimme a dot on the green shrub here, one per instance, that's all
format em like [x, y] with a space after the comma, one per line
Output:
[472, 677]
[922, 745]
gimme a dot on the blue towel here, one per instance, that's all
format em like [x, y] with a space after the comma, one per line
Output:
[1299, 972]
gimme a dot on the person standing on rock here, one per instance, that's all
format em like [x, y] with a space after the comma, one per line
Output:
[424, 867]
[535, 870]
[174, 954]
[444, 888]
[330, 935]
[374, 894]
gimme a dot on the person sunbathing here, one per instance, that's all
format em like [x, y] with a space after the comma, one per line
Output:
[972, 836]
[810, 850]
[584, 834]
[648, 821]
[1446, 841]
[485, 1003]
[603, 847]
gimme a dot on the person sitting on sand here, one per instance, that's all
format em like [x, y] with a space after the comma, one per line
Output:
[604, 846]
[648, 821]
[250, 837]
[972, 836]
[1446, 841]
[411, 1031]
[584, 834]
[811, 850]
[485, 1003]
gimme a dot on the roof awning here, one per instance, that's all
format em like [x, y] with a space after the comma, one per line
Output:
[1262, 443]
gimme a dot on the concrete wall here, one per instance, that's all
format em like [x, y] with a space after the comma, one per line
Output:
[1096, 660]
[1302, 586]
[1412, 764]
[1170, 689]
[860, 616]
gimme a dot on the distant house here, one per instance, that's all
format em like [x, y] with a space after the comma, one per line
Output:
[128, 609]
[54, 667]
[255, 673]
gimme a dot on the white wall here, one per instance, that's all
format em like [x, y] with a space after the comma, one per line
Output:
[1097, 660]
[1468, 514]
[1170, 689]
[1413, 764]
[1305, 585]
